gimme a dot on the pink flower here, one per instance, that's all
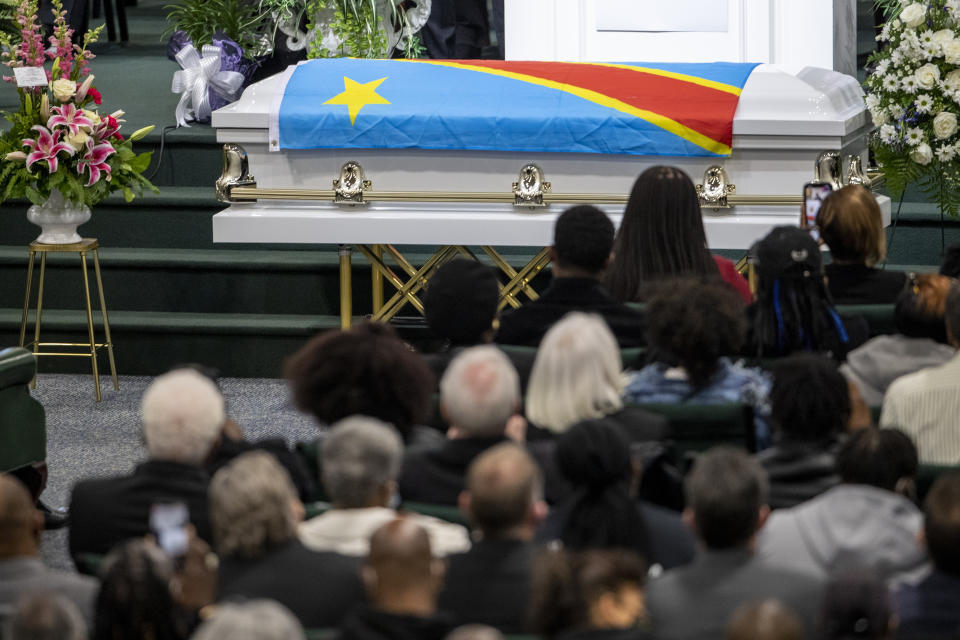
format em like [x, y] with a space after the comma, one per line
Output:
[46, 147]
[94, 161]
[70, 117]
[107, 128]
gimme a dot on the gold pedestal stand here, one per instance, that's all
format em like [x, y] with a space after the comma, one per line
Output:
[85, 246]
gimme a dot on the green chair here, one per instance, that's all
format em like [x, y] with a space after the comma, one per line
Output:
[441, 511]
[89, 563]
[632, 357]
[697, 427]
[312, 509]
[23, 427]
[322, 634]
[879, 316]
[875, 415]
[927, 474]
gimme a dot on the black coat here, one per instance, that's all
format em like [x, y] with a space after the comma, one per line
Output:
[367, 623]
[105, 511]
[799, 471]
[435, 473]
[860, 284]
[526, 325]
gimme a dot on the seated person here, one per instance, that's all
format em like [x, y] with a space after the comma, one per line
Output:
[22, 572]
[578, 375]
[695, 326]
[601, 510]
[581, 251]
[726, 498]
[360, 462]
[402, 579]
[793, 311]
[44, 616]
[460, 305]
[851, 226]
[254, 511]
[589, 595]
[928, 609]
[810, 407]
[925, 404]
[503, 499]
[480, 400]
[950, 266]
[366, 370]
[764, 620]
[252, 620]
[183, 416]
[857, 605]
[920, 341]
[868, 521]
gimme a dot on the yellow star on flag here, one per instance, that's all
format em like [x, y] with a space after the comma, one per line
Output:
[356, 96]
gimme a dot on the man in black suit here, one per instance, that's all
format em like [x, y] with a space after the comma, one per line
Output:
[582, 246]
[182, 417]
[490, 583]
[726, 498]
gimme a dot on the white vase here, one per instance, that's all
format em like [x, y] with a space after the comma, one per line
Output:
[58, 219]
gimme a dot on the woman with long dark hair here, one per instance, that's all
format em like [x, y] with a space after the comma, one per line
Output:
[662, 236]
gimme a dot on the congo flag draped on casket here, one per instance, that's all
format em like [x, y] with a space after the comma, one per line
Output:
[671, 109]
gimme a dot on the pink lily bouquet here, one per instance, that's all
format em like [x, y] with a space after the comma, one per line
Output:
[59, 140]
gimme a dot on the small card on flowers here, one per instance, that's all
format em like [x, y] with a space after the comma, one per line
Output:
[30, 76]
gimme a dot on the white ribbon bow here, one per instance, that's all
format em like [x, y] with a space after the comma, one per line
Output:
[199, 74]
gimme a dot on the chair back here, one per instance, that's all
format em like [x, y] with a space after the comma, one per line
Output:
[23, 426]
[697, 427]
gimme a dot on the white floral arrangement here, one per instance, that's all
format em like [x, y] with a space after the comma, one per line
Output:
[913, 94]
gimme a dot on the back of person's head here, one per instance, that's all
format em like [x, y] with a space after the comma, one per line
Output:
[594, 457]
[857, 606]
[727, 495]
[920, 307]
[583, 239]
[504, 490]
[950, 266]
[360, 459]
[577, 374]
[882, 458]
[661, 234]
[695, 322]
[253, 505]
[594, 589]
[479, 392]
[951, 313]
[182, 416]
[851, 225]
[794, 311]
[809, 400]
[400, 561]
[44, 616]
[461, 300]
[20, 522]
[366, 370]
[250, 620]
[135, 600]
[475, 632]
[764, 620]
[941, 512]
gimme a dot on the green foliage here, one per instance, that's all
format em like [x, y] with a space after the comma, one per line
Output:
[241, 20]
[359, 29]
[890, 8]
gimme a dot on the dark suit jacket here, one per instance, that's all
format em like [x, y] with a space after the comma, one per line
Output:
[367, 623]
[860, 284]
[105, 511]
[694, 602]
[318, 587]
[526, 325]
[435, 473]
[928, 609]
[490, 584]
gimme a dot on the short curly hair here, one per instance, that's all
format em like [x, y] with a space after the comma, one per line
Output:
[694, 322]
[366, 370]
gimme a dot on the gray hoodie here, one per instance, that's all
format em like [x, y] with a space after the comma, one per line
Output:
[849, 526]
[874, 365]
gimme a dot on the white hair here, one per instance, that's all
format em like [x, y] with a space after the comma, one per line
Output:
[250, 620]
[479, 391]
[359, 456]
[577, 375]
[182, 415]
[44, 616]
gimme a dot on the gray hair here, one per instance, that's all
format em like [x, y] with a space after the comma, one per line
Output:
[480, 390]
[44, 616]
[252, 505]
[577, 375]
[251, 620]
[182, 415]
[359, 456]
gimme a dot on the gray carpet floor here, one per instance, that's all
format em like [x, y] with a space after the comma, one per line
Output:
[90, 439]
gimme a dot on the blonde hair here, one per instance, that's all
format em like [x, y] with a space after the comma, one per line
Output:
[577, 374]
[851, 225]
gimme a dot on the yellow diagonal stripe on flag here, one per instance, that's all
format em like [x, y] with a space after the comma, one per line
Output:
[668, 124]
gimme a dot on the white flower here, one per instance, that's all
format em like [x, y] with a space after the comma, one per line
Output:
[872, 101]
[896, 58]
[951, 51]
[946, 153]
[914, 15]
[927, 75]
[914, 136]
[888, 133]
[882, 66]
[896, 111]
[951, 81]
[942, 36]
[910, 84]
[944, 124]
[879, 116]
[953, 6]
[926, 37]
[890, 83]
[63, 89]
[923, 103]
[922, 154]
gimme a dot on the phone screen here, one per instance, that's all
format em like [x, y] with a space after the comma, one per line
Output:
[814, 193]
[168, 521]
